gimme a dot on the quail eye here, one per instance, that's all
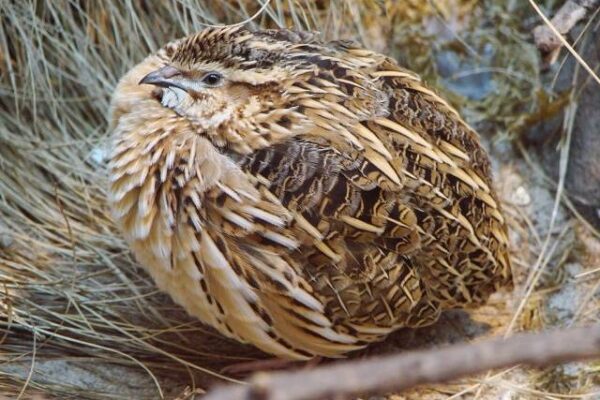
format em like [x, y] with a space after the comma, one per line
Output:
[212, 79]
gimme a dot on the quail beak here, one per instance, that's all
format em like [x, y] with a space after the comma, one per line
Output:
[166, 76]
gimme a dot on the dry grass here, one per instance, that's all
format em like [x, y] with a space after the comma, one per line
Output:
[79, 319]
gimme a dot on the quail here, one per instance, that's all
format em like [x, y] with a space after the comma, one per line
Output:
[304, 196]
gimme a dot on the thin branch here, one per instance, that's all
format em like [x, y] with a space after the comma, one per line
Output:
[403, 371]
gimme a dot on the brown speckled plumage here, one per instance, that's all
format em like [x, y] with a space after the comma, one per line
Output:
[308, 198]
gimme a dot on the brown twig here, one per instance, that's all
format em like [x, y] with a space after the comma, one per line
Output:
[571, 12]
[403, 371]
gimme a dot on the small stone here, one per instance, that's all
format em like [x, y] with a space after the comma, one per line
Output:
[508, 395]
[521, 197]
[98, 155]
[6, 238]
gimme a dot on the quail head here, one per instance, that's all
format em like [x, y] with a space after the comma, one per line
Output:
[307, 197]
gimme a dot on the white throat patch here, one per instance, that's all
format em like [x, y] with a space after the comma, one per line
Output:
[173, 97]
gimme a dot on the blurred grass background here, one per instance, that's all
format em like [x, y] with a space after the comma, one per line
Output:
[78, 317]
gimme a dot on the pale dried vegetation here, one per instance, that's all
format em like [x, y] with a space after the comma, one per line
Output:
[79, 319]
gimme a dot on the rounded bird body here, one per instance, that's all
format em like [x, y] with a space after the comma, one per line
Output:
[303, 196]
